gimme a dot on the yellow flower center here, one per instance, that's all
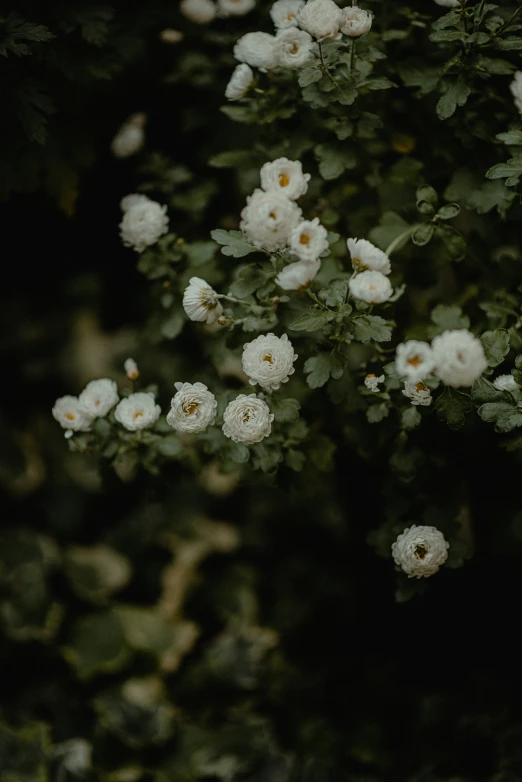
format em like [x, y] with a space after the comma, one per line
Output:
[304, 239]
[415, 361]
[294, 49]
[138, 414]
[246, 417]
[420, 551]
[268, 358]
[272, 215]
[284, 179]
[69, 416]
[368, 376]
[189, 407]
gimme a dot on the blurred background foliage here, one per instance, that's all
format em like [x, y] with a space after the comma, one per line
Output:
[182, 628]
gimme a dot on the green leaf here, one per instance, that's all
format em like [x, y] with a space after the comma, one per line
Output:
[505, 415]
[285, 410]
[410, 417]
[321, 453]
[376, 413]
[234, 158]
[333, 161]
[173, 326]
[452, 407]
[496, 346]
[25, 754]
[309, 74]
[378, 83]
[234, 243]
[96, 572]
[320, 368]
[425, 193]
[170, 446]
[449, 317]
[249, 279]
[512, 137]
[98, 645]
[311, 321]
[368, 327]
[295, 459]
[335, 294]
[448, 212]
[238, 453]
[484, 391]
[453, 241]
[456, 94]
[423, 234]
[510, 171]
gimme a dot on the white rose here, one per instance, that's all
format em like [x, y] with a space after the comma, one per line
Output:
[247, 420]
[193, 408]
[131, 369]
[448, 3]
[372, 382]
[240, 82]
[132, 200]
[298, 276]
[269, 218]
[459, 357]
[98, 397]
[414, 360]
[309, 240]
[371, 287]
[366, 256]
[321, 18]
[130, 138]
[516, 90]
[70, 416]
[417, 393]
[284, 13]
[201, 302]
[143, 223]
[198, 11]
[506, 383]
[420, 551]
[257, 50]
[268, 360]
[235, 7]
[285, 177]
[355, 21]
[293, 48]
[137, 411]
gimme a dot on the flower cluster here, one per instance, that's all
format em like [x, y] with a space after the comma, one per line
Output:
[144, 221]
[456, 357]
[371, 267]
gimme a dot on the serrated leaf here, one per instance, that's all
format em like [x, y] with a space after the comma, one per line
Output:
[368, 327]
[512, 137]
[320, 368]
[456, 94]
[234, 243]
[505, 415]
[376, 413]
[309, 74]
[452, 407]
[410, 417]
[285, 410]
[311, 321]
[496, 346]
[333, 161]
[235, 158]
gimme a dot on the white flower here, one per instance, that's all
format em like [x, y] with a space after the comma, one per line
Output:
[366, 256]
[309, 240]
[131, 369]
[298, 276]
[506, 383]
[321, 18]
[516, 90]
[240, 82]
[247, 420]
[448, 3]
[268, 360]
[70, 416]
[198, 11]
[137, 411]
[459, 357]
[169, 35]
[293, 48]
[286, 177]
[420, 551]
[235, 7]
[414, 360]
[284, 13]
[372, 382]
[257, 50]
[98, 397]
[355, 21]
[132, 200]
[193, 408]
[201, 302]
[143, 223]
[371, 287]
[417, 393]
[269, 218]
[130, 138]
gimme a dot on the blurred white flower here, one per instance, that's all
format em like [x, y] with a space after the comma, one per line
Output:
[269, 218]
[169, 35]
[420, 551]
[448, 3]
[506, 383]
[198, 11]
[366, 256]
[355, 21]
[371, 287]
[459, 357]
[130, 138]
[321, 18]
[70, 416]
[414, 360]
[193, 408]
[235, 7]
[372, 382]
[98, 397]
[309, 240]
[132, 200]
[269, 361]
[240, 82]
[285, 177]
[144, 221]
[294, 48]
[298, 276]
[516, 90]
[201, 302]
[137, 411]
[284, 13]
[258, 50]
[247, 420]
[131, 369]
[417, 393]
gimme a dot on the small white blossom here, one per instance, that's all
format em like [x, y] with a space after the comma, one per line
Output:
[269, 218]
[201, 302]
[417, 393]
[459, 357]
[143, 223]
[98, 397]
[309, 240]
[448, 3]
[240, 82]
[193, 408]
[257, 50]
[70, 416]
[169, 35]
[131, 369]
[284, 13]
[235, 7]
[294, 48]
[198, 11]
[285, 177]
[506, 383]
[516, 90]
[268, 360]
[321, 18]
[372, 382]
[414, 360]
[132, 200]
[137, 411]
[420, 551]
[130, 138]
[371, 287]
[355, 21]
[298, 276]
[366, 256]
[247, 420]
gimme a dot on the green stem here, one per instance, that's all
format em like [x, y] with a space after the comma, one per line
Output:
[398, 241]
[231, 298]
[352, 55]
[324, 65]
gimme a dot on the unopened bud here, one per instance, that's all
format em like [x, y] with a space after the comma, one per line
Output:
[223, 320]
[276, 300]
[131, 369]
